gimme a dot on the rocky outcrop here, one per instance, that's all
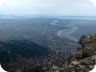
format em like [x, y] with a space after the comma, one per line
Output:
[83, 61]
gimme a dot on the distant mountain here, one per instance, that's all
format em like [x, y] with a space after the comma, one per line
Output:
[42, 16]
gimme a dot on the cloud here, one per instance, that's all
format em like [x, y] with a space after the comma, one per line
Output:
[49, 7]
[94, 2]
[2, 2]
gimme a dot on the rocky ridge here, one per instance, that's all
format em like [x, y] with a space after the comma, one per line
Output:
[83, 61]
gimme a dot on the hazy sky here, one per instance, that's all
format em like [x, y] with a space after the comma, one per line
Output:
[48, 7]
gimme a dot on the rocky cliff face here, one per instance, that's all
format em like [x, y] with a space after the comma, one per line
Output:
[83, 61]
